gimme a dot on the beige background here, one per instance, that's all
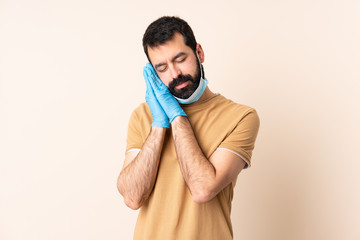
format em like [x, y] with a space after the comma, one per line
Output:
[71, 73]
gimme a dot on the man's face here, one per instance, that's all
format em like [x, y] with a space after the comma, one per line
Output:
[177, 66]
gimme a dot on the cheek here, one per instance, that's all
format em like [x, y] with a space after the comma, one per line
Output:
[165, 79]
[191, 67]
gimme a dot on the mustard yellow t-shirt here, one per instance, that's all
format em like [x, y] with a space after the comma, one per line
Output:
[170, 213]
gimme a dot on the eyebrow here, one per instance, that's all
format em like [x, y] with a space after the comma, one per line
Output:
[180, 54]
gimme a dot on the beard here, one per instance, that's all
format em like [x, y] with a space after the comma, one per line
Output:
[189, 89]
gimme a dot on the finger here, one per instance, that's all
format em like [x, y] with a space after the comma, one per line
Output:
[159, 84]
[155, 77]
[146, 77]
[152, 79]
[150, 94]
[148, 65]
[152, 70]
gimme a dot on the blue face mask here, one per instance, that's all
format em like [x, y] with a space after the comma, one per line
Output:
[199, 90]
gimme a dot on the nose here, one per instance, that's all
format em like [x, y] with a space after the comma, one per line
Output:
[174, 71]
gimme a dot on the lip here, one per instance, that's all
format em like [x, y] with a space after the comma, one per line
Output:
[182, 85]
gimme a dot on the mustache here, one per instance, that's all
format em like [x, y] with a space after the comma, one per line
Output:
[180, 79]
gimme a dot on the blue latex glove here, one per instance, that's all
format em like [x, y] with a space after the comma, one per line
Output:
[160, 118]
[167, 101]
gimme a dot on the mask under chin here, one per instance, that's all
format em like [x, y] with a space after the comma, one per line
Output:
[199, 90]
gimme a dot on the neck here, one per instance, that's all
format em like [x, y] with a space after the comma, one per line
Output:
[206, 95]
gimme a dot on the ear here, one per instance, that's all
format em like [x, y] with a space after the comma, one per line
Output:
[200, 52]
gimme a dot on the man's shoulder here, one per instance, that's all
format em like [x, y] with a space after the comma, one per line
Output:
[226, 104]
[141, 107]
[141, 113]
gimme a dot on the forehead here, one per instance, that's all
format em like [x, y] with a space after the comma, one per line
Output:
[165, 52]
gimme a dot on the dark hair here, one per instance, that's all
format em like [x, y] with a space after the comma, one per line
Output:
[163, 30]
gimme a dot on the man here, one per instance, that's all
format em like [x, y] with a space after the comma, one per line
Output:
[185, 145]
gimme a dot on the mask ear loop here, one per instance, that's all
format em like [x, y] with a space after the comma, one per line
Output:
[200, 66]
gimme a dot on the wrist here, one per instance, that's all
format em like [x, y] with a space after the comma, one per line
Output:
[161, 124]
[179, 120]
[180, 114]
[156, 130]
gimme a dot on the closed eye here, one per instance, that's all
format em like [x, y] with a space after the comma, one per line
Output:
[180, 60]
[161, 68]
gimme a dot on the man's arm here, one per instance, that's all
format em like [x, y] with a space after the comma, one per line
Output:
[204, 177]
[137, 178]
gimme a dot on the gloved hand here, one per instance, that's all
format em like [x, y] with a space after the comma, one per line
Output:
[160, 118]
[166, 99]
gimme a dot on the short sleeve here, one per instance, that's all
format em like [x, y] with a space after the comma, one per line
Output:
[241, 140]
[134, 139]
